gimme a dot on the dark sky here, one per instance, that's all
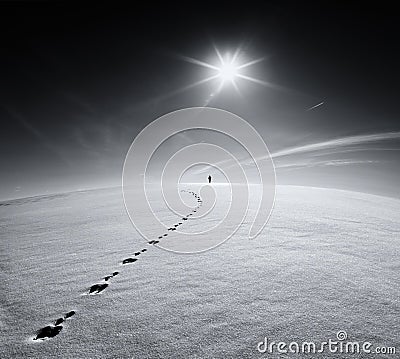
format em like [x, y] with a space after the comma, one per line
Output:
[78, 83]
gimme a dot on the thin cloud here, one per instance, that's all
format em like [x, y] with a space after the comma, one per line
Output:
[338, 145]
[325, 163]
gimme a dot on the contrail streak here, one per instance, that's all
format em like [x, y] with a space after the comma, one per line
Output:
[315, 106]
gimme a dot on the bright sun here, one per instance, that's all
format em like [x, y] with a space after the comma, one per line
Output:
[228, 71]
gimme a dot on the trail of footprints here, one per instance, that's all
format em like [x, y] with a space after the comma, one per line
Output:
[51, 331]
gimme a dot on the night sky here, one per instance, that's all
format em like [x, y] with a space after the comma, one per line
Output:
[78, 84]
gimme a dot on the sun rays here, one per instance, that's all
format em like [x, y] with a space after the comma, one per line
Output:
[227, 71]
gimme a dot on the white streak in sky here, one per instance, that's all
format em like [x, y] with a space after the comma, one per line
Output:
[338, 143]
[334, 146]
[325, 163]
[315, 106]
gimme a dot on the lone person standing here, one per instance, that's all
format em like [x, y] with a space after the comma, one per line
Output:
[209, 178]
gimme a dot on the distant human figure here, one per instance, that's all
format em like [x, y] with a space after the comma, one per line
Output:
[209, 179]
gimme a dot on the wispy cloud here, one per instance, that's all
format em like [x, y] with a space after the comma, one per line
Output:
[338, 143]
[324, 163]
[336, 146]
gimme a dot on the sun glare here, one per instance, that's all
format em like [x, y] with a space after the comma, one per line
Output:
[226, 70]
